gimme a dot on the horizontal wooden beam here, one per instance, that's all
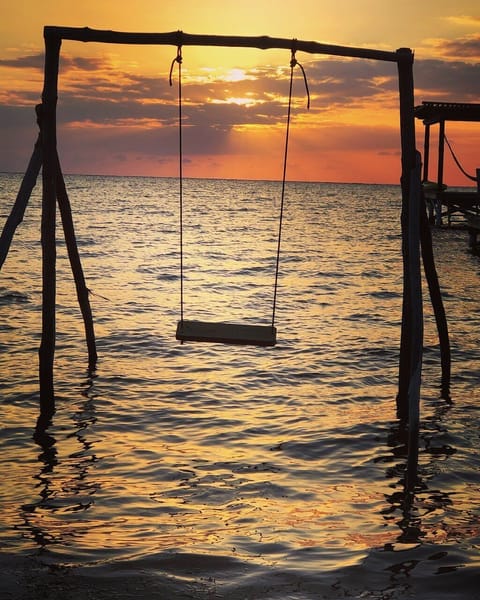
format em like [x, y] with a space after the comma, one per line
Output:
[179, 38]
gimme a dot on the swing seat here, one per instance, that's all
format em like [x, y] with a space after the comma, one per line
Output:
[226, 333]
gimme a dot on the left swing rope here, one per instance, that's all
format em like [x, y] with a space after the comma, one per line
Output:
[178, 60]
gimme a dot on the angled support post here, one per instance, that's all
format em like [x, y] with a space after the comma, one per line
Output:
[28, 183]
[75, 263]
[436, 300]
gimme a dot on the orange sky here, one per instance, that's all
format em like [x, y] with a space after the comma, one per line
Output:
[117, 112]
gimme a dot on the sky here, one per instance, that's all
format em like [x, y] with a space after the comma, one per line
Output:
[118, 115]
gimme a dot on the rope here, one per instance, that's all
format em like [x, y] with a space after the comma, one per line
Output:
[178, 60]
[293, 64]
[457, 161]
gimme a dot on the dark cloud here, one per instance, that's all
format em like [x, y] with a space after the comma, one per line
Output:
[354, 71]
[152, 142]
[81, 63]
[67, 63]
[19, 133]
[13, 118]
[376, 137]
[454, 81]
[466, 47]
[34, 61]
[108, 111]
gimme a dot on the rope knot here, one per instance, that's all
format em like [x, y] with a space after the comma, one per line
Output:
[293, 60]
[178, 59]
[293, 63]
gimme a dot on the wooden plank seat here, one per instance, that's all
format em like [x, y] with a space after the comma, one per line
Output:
[226, 333]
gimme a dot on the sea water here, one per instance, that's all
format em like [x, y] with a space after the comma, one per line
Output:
[215, 471]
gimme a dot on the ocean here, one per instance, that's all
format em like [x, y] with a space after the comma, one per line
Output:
[214, 471]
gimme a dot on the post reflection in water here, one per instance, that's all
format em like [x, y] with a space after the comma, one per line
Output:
[421, 514]
[63, 484]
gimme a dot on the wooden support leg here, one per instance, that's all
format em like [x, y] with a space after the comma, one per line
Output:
[76, 265]
[437, 302]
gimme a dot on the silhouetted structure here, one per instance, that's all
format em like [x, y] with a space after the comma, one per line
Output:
[437, 194]
[45, 154]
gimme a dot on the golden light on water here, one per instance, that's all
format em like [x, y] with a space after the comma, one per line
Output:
[288, 459]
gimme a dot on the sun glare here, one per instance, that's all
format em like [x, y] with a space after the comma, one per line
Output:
[238, 101]
[237, 75]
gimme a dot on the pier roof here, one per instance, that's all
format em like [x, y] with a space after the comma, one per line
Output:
[434, 112]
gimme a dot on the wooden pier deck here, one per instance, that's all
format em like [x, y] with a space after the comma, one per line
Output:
[450, 205]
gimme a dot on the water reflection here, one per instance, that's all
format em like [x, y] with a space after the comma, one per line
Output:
[64, 486]
[48, 459]
[421, 513]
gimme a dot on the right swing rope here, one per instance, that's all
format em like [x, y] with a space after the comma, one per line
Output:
[293, 64]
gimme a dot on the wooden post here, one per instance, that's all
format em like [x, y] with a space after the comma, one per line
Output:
[407, 136]
[411, 345]
[441, 153]
[416, 341]
[76, 265]
[47, 346]
[426, 152]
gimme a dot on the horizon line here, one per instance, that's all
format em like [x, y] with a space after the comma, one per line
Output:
[212, 178]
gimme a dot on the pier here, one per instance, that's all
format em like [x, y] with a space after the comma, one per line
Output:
[442, 202]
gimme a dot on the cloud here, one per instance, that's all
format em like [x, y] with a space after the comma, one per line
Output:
[67, 63]
[19, 131]
[461, 48]
[33, 61]
[259, 99]
[466, 47]
[453, 81]
[94, 92]
[464, 20]
[109, 111]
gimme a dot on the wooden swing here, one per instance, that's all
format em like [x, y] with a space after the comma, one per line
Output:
[220, 332]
